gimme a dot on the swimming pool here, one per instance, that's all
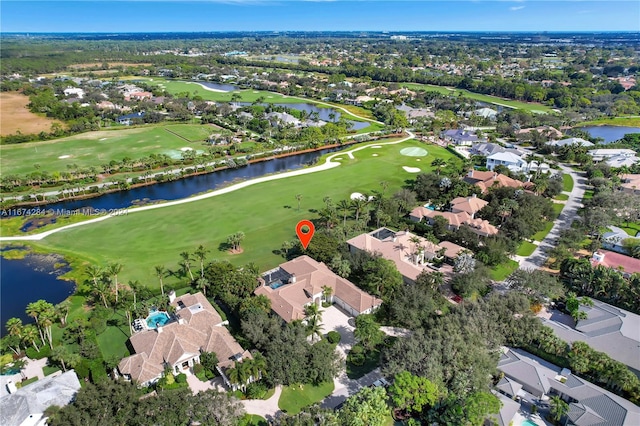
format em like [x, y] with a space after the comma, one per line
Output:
[157, 318]
[276, 284]
[528, 422]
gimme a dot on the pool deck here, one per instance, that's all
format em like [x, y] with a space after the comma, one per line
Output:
[521, 416]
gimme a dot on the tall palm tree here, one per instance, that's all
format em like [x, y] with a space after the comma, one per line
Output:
[558, 407]
[186, 262]
[33, 310]
[30, 334]
[201, 254]
[202, 284]
[15, 328]
[299, 198]
[114, 269]
[438, 163]
[344, 206]
[160, 273]
[313, 316]
[62, 311]
[358, 204]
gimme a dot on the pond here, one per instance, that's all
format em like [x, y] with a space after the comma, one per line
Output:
[183, 188]
[610, 133]
[219, 86]
[27, 280]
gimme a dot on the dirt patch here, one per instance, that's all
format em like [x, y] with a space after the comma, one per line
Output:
[14, 116]
[236, 251]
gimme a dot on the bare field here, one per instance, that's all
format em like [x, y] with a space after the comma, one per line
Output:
[111, 64]
[15, 116]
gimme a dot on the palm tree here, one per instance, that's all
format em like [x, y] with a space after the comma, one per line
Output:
[62, 310]
[313, 316]
[15, 328]
[344, 206]
[234, 240]
[33, 310]
[62, 354]
[298, 198]
[160, 272]
[438, 163]
[30, 334]
[326, 293]
[558, 407]
[114, 269]
[186, 262]
[358, 204]
[202, 284]
[201, 254]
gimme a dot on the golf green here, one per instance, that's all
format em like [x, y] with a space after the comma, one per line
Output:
[266, 212]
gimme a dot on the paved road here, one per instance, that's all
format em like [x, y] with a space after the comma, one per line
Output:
[564, 221]
[328, 164]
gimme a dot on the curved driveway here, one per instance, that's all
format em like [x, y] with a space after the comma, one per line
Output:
[569, 213]
[328, 164]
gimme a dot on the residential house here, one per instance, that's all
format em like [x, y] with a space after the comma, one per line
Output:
[570, 142]
[470, 205]
[303, 281]
[622, 161]
[461, 137]
[508, 409]
[627, 264]
[486, 180]
[487, 113]
[75, 92]
[548, 131]
[607, 329]
[487, 149]
[614, 239]
[26, 406]
[278, 119]
[607, 153]
[630, 183]
[413, 114]
[451, 250]
[532, 378]
[507, 159]
[194, 328]
[128, 119]
[410, 258]
[455, 220]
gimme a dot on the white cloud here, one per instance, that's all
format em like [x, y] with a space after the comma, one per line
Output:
[514, 8]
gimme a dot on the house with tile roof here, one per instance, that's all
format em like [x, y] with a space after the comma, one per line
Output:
[26, 406]
[589, 405]
[627, 264]
[410, 253]
[486, 180]
[630, 183]
[607, 329]
[194, 328]
[456, 220]
[470, 205]
[302, 281]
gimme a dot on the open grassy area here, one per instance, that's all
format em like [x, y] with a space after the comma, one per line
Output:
[502, 271]
[561, 197]
[112, 341]
[539, 236]
[265, 212]
[633, 121]
[526, 248]
[97, 148]
[533, 107]
[294, 398]
[15, 116]
[253, 420]
[631, 228]
[567, 182]
[371, 362]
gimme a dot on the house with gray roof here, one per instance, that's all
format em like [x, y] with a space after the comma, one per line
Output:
[26, 406]
[460, 137]
[508, 159]
[614, 239]
[607, 329]
[569, 142]
[589, 405]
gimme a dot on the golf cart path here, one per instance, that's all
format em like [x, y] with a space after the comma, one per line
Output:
[328, 164]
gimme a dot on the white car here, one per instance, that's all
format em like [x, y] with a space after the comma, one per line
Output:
[382, 382]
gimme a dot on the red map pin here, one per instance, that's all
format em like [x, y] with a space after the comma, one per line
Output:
[305, 237]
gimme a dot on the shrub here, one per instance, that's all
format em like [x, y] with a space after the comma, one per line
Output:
[256, 390]
[45, 351]
[356, 355]
[97, 371]
[181, 378]
[198, 368]
[333, 337]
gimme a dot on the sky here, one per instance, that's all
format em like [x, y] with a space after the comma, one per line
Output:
[318, 15]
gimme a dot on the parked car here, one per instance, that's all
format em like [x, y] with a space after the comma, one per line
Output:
[382, 382]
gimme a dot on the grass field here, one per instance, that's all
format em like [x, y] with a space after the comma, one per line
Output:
[294, 398]
[632, 228]
[266, 213]
[533, 107]
[526, 248]
[96, 148]
[14, 116]
[633, 121]
[567, 182]
[561, 197]
[253, 420]
[502, 271]
[539, 236]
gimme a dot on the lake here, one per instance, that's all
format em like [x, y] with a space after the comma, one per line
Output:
[610, 133]
[27, 280]
[183, 188]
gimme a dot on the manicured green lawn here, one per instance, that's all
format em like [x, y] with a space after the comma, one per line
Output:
[588, 194]
[533, 107]
[631, 228]
[526, 248]
[561, 197]
[633, 121]
[48, 370]
[539, 236]
[502, 271]
[112, 341]
[194, 132]
[372, 360]
[265, 212]
[253, 420]
[294, 398]
[97, 148]
[567, 182]
[26, 382]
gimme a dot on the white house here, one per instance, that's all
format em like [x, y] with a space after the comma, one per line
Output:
[74, 91]
[508, 159]
[569, 142]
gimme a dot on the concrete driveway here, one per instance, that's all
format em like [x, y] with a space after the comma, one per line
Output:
[335, 319]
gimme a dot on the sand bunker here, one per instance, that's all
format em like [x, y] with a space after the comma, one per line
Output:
[337, 159]
[62, 157]
[374, 155]
[186, 148]
[102, 139]
[417, 159]
[411, 169]
[376, 146]
[356, 196]
[413, 151]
